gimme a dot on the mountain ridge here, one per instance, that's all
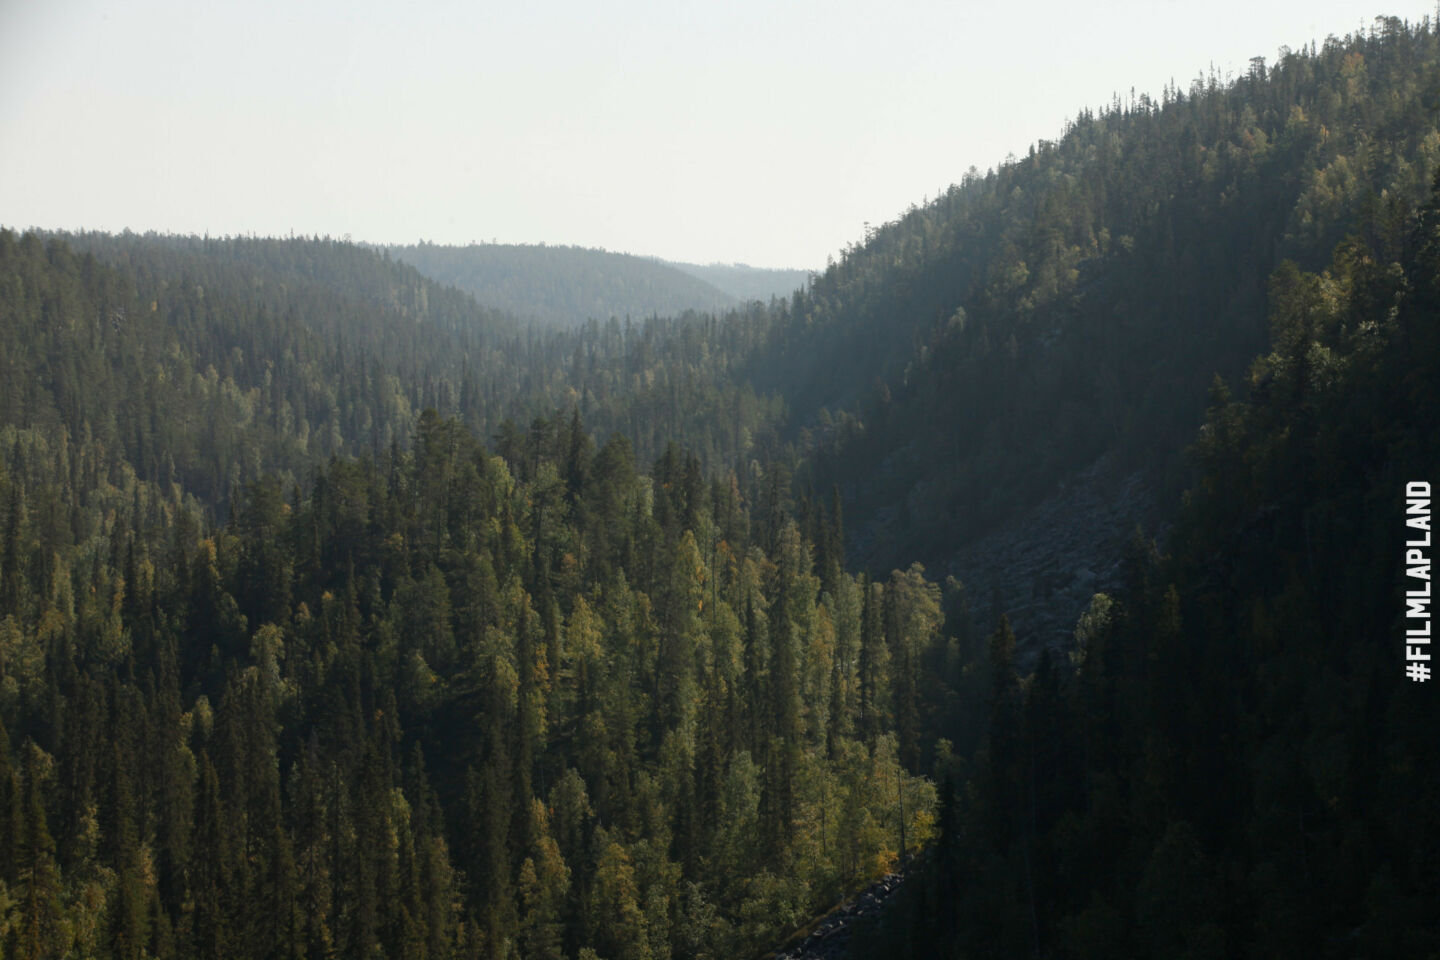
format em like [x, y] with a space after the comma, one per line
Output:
[565, 285]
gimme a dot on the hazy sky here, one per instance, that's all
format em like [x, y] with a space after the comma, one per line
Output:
[764, 132]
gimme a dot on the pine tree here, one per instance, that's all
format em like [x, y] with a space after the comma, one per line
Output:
[38, 934]
[210, 870]
[874, 664]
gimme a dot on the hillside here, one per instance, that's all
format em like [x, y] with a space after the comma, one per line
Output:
[565, 286]
[744, 282]
[1241, 762]
[214, 363]
[983, 353]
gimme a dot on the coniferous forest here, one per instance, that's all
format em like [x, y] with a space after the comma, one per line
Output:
[344, 614]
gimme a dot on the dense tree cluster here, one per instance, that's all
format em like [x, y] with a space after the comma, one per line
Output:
[215, 363]
[1237, 765]
[444, 702]
[1078, 300]
[276, 679]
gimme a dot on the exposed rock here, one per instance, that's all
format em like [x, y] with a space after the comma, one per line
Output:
[1042, 568]
[829, 937]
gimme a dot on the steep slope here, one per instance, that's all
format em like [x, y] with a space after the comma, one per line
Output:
[565, 286]
[1074, 305]
[1242, 763]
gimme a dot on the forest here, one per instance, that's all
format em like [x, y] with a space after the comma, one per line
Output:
[567, 286]
[348, 613]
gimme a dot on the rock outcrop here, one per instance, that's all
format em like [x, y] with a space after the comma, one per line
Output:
[1042, 568]
[829, 937]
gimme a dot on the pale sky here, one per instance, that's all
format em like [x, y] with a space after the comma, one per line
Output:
[762, 132]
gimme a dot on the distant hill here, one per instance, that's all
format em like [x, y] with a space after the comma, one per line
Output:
[217, 362]
[744, 282]
[220, 362]
[566, 285]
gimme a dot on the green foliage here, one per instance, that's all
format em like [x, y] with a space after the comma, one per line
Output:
[566, 286]
[435, 703]
[982, 347]
[213, 364]
[1238, 766]
[340, 616]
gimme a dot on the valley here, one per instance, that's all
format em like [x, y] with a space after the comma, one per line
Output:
[512, 601]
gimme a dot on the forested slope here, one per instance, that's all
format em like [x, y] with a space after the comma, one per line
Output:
[1239, 764]
[213, 363]
[565, 286]
[994, 341]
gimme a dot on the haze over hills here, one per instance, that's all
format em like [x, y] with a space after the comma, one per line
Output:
[332, 348]
[744, 282]
[565, 286]
[345, 610]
